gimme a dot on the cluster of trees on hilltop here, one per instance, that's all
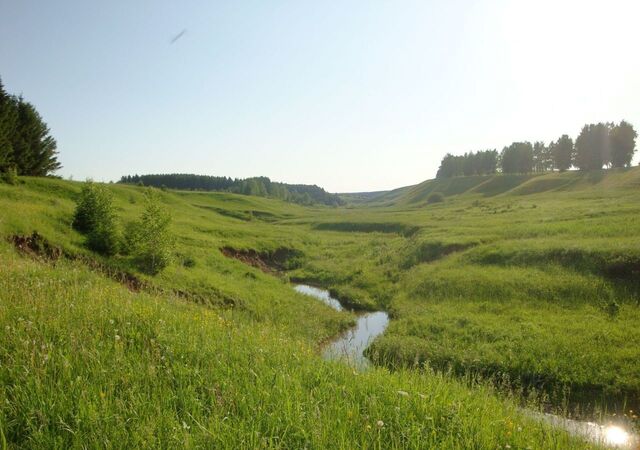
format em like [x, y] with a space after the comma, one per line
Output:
[598, 145]
[484, 162]
[26, 147]
[260, 186]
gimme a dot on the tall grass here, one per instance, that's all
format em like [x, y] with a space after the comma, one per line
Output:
[85, 363]
[515, 283]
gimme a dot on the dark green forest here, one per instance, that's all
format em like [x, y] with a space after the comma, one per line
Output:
[26, 146]
[261, 186]
[597, 146]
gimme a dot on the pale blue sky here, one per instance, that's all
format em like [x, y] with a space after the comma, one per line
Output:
[349, 95]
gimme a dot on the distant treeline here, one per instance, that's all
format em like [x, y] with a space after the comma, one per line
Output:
[260, 186]
[26, 148]
[598, 145]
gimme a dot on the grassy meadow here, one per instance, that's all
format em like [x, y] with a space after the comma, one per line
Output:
[530, 279]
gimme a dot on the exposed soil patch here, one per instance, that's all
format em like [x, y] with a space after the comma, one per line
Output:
[36, 246]
[271, 262]
[131, 281]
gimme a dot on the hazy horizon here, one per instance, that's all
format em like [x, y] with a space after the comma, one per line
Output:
[356, 97]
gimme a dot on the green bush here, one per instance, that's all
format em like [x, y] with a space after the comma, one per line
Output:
[188, 262]
[435, 197]
[88, 206]
[149, 240]
[612, 309]
[10, 176]
[95, 216]
[104, 238]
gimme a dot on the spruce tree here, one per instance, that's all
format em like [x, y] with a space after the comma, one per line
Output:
[34, 149]
[8, 118]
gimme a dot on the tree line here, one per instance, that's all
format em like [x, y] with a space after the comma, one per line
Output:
[597, 146]
[26, 146]
[260, 186]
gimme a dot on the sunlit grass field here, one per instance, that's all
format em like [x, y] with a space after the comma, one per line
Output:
[85, 363]
[532, 279]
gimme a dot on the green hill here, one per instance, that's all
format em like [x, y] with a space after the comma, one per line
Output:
[508, 184]
[529, 280]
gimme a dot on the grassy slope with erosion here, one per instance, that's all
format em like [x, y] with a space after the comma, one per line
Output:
[85, 362]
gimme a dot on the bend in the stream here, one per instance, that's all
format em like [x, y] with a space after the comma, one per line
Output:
[350, 347]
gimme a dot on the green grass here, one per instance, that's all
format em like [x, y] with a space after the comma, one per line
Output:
[84, 363]
[509, 278]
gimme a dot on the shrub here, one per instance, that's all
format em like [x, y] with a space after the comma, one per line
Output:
[10, 176]
[96, 217]
[89, 207]
[435, 197]
[149, 240]
[105, 237]
[188, 262]
[612, 309]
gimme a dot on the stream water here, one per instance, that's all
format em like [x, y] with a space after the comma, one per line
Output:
[350, 347]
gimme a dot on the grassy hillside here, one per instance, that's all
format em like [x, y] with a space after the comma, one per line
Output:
[492, 185]
[86, 363]
[517, 284]
[533, 280]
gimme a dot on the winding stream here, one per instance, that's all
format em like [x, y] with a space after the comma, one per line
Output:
[350, 347]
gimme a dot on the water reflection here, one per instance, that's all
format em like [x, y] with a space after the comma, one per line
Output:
[350, 346]
[609, 435]
[320, 294]
[614, 435]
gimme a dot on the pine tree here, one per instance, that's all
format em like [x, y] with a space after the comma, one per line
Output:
[34, 150]
[8, 118]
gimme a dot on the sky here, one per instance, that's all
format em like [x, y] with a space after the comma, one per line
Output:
[349, 95]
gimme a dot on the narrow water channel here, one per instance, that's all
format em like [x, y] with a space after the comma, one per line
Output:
[350, 347]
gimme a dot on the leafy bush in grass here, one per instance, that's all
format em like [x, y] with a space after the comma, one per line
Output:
[96, 217]
[10, 176]
[149, 240]
[188, 262]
